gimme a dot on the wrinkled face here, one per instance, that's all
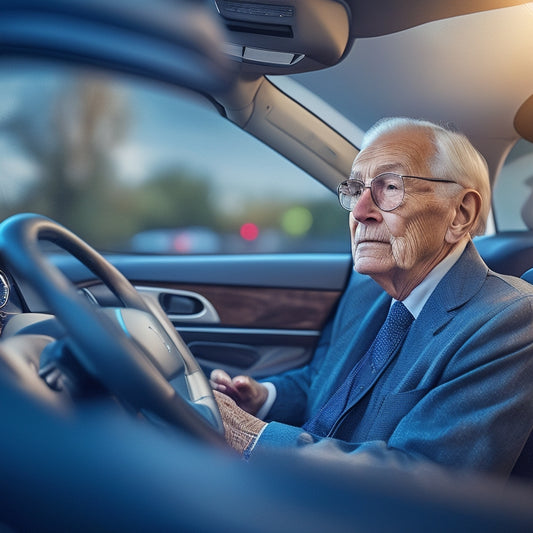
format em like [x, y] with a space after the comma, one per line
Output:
[403, 245]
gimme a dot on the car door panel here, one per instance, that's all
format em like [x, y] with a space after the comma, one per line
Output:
[254, 314]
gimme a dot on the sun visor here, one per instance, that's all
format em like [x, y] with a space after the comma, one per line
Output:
[285, 36]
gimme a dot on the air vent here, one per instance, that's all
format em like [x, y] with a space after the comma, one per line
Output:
[257, 19]
[244, 10]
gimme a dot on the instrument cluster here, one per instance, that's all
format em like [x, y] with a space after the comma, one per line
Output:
[10, 303]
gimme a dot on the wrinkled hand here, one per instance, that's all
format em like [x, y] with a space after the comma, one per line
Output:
[248, 394]
[240, 427]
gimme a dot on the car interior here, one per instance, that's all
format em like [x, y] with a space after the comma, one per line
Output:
[168, 190]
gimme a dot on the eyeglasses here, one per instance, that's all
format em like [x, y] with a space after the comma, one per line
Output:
[387, 190]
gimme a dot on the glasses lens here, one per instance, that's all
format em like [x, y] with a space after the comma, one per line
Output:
[388, 191]
[349, 192]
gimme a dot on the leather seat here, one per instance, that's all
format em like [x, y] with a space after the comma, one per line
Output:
[507, 252]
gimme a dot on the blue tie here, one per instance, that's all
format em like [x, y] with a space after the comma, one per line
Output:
[388, 340]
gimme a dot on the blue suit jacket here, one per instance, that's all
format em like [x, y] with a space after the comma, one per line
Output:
[459, 392]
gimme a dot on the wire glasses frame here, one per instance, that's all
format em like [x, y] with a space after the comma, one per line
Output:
[387, 190]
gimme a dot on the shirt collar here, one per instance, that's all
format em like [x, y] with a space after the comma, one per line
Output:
[420, 294]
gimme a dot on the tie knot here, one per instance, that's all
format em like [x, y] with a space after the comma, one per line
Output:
[399, 317]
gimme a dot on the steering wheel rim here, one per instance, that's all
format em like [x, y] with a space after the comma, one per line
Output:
[131, 373]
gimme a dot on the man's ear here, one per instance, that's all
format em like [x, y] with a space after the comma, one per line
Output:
[466, 215]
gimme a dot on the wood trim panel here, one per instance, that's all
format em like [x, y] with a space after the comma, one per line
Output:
[265, 307]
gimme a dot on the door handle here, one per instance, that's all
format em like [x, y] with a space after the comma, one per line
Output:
[182, 306]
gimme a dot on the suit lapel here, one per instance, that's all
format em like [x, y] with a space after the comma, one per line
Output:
[457, 287]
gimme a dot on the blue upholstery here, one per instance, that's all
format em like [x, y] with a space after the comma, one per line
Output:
[507, 252]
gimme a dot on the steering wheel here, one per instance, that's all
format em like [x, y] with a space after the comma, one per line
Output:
[134, 351]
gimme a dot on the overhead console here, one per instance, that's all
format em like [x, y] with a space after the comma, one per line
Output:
[283, 37]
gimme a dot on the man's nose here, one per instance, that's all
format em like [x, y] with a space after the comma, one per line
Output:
[365, 208]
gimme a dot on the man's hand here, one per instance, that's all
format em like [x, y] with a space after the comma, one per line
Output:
[248, 394]
[240, 427]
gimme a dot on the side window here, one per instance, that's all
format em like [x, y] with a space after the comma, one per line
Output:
[513, 192]
[148, 169]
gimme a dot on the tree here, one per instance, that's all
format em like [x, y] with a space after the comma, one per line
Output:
[71, 147]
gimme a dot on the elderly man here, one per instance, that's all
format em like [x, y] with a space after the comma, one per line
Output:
[449, 377]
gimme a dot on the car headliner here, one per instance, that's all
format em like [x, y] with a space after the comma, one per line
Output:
[473, 71]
